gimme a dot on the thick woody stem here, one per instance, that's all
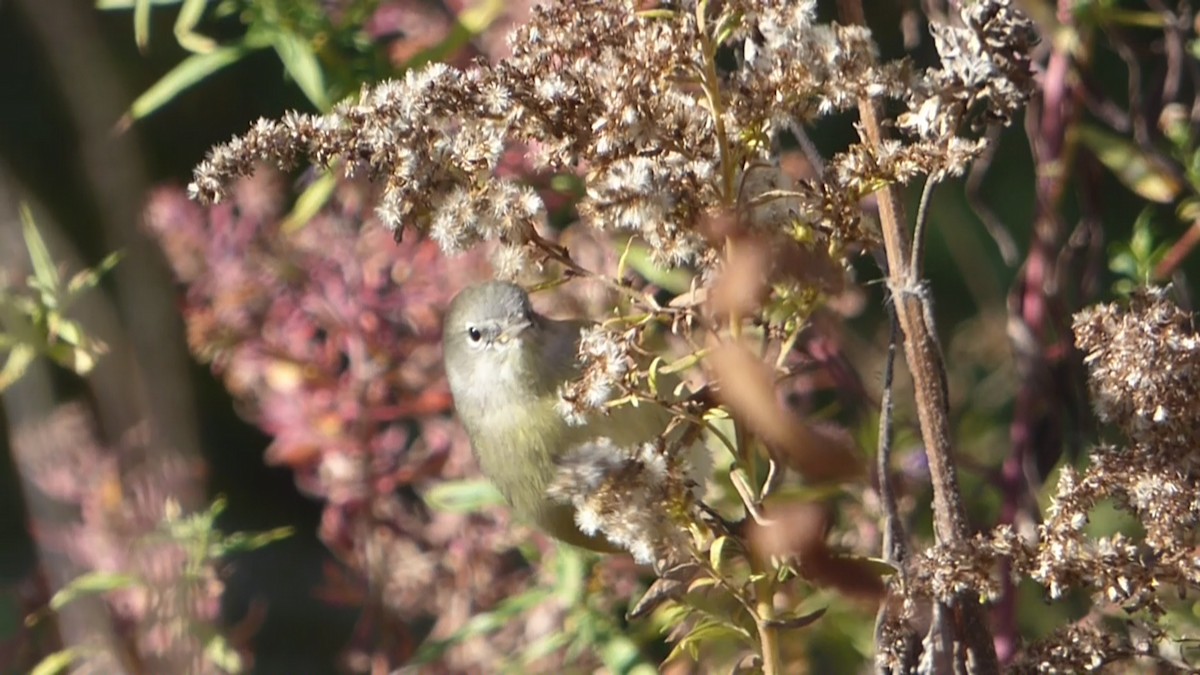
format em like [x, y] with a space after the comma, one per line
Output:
[925, 362]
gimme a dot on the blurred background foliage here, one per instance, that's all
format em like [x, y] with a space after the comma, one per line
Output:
[103, 105]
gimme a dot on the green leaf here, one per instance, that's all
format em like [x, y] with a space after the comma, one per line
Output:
[79, 360]
[17, 363]
[44, 270]
[463, 496]
[723, 549]
[141, 24]
[621, 655]
[91, 583]
[191, 70]
[301, 63]
[481, 624]
[57, 662]
[471, 22]
[109, 5]
[709, 631]
[794, 621]
[310, 202]
[185, 25]
[89, 278]
[570, 575]
[219, 653]
[1189, 210]
[69, 332]
[676, 281]
[249, 541]
[1135, 169]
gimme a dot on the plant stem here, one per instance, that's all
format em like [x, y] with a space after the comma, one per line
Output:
[925, 362]
[768, 635]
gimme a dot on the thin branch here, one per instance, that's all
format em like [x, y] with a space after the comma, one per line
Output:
[918, 250]
[924, 356]
[995, 227]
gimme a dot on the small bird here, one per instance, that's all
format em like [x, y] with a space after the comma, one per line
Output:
[506, 363]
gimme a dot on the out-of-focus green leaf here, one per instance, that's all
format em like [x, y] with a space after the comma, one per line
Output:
[91, 583]
[87, 279]
[723, 549]
[185, 25]
[621, 655]
[708, 631]
[676, 281]
[301, 63]
[463, 496]
[16, 364]
[310, 202]
[189, 71]
[219, 652]
[79, 360]
[1129, 17]
[1135, 169]
[129, 4]
[481, 624]
[44, 270]
[794, 621]
[1189, 210]
[57, 662]
[248, 541]
[471, 22]
[141, 24]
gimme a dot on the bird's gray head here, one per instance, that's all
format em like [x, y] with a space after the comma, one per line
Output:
[489, 332]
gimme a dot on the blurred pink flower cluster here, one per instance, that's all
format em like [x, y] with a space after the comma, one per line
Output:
[109, 523]
[328, 338]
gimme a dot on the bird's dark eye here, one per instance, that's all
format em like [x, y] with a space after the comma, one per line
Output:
[474, 334]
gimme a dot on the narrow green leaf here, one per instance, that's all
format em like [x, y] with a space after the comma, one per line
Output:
[185, 28]
[1130, 17]
[191, 70]
[1135, 169]
[793, 621]
[249, 541]
[652, 374]
[310, 202]
[471, 22]
[91, 583]
[57, 662]
[301, 63]
[219, 652]
[463, 496]
[109, 5]
[17, 363]
[141, 24]
[69, 332]
[723, 550]
[676, 281]
[89, 278]
[621, 655]
[43, 265]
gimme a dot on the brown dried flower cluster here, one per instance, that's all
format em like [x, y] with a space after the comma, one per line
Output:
[639, 497]
[1145, 378]
[606, 360]
[664, 138]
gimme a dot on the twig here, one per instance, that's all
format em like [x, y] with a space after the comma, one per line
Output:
[925, 362]
[895, 543]
[991, 222]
